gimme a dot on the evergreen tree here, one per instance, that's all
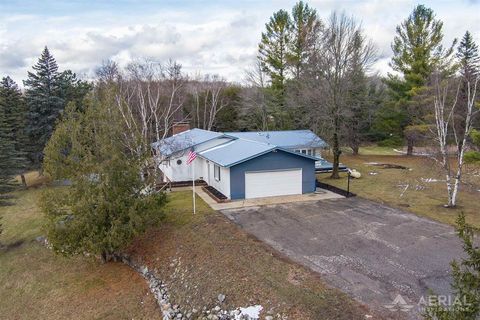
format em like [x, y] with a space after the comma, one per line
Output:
[469, 63]
[71, 89]
[466, 280]
[44, 103]
[357, 107]
[272, 54]
[467, 54]
[273, 49]
[417, 50]
[304, 30]
[473, 156]
[13, 105]
[48, 91]
[8, 156]
[108, 203]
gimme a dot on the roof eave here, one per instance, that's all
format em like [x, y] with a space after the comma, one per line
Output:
[192, 146]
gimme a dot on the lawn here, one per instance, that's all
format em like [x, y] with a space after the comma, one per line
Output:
[198, 256]
[419, 189]
[37, 284]
[205, 255]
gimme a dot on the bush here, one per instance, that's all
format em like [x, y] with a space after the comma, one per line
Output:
[472, 157]
[391, 142]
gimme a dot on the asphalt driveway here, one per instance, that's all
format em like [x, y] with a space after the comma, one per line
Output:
[368, 250]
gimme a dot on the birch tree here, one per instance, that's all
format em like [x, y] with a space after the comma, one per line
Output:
[444, 104]
[150, 97]
[208, 100]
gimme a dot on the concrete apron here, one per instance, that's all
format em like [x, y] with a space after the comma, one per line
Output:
[320, 194]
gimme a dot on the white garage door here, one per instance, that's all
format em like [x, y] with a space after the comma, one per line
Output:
[273, 183]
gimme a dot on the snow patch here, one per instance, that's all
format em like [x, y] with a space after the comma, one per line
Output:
[252, 312]
[428, 180]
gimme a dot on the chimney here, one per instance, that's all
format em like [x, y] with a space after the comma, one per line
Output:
[180, 127]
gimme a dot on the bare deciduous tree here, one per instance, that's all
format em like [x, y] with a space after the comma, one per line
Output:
[150, 97]
[209, 99]
[254, 98]
[329, 80]
[445, 103]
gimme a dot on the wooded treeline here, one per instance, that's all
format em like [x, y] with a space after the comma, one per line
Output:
[310, 74]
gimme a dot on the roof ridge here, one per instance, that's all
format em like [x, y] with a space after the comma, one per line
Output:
[293, 130]
[260, 142]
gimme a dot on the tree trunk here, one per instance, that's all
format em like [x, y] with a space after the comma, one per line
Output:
[354, 150]
[336, 157]
[24, 181]
[409, 147]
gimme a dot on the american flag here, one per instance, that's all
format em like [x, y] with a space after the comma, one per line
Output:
[191, 156]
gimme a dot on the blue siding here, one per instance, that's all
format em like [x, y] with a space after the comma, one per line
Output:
[272, 161]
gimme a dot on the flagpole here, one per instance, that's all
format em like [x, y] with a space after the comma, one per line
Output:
[193, 185]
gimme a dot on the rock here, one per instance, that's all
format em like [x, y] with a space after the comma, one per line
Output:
[268, 318]
[41, 239]
[179, 316]
[221, 298]
[217, 308]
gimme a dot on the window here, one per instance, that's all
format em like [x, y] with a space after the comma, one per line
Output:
[216, 172]
[304, 151]
[309, 152]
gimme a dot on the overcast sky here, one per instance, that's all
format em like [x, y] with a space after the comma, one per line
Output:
[219, 37]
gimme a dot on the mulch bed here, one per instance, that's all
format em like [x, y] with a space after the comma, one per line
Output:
[339, 191]
[215, 194]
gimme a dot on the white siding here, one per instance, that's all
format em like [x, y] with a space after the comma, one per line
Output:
[224, 184]
[183, 172]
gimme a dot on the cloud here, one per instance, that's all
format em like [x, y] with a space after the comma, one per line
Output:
[204, 37]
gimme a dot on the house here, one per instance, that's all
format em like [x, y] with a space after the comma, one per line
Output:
[243, 165]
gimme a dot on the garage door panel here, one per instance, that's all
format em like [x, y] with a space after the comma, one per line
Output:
[273, 183]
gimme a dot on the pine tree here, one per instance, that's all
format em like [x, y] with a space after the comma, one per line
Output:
[468, 56]
[272, 54]
[8, 156]
[15, 117]
[44, 102]
[469, 61]
[305, 26]
[356, 113]
[417, 51]
[71, 89]
[466, 280]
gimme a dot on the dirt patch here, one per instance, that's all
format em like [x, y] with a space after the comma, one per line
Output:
[11, 246]
[387, 165]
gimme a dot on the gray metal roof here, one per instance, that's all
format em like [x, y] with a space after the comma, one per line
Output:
[184, 140]
[287, 139]
[241, 150]
[244, 145]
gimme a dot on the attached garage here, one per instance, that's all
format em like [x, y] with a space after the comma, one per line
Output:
[250, 169]
[270, 183]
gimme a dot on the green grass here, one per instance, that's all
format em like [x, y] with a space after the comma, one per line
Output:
[410, 189]
[179, 209]
[37, 284]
